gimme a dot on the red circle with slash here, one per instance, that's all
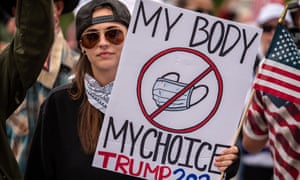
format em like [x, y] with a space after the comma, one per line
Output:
[212, 68]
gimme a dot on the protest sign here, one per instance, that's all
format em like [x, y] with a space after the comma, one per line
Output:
[178, 95]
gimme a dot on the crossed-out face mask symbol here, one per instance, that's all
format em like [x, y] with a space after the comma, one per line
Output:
[165, 88]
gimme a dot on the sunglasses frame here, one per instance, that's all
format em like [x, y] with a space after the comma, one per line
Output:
[90, 43]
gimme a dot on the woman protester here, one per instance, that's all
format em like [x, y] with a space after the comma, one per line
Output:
[69, 122]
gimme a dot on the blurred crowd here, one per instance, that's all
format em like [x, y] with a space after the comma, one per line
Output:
[245, 11]
[261, 13]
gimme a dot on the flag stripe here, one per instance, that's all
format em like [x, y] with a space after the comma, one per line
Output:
[276, 92]
[282, 69]
[278, 82]
[279, 79]
[277, 87]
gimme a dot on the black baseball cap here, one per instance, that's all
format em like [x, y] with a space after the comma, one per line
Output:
[84, 17]
[69, 5]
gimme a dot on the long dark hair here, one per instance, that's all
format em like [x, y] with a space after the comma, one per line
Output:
[89, 118]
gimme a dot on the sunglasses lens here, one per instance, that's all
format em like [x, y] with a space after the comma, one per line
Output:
[114, 36]
[90, 39]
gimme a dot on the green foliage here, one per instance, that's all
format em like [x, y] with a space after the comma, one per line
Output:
[66, 20]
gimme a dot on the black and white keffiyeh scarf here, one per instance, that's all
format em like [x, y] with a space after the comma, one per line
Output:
[98, 96]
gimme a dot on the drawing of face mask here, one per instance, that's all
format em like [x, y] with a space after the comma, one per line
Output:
[164, 89]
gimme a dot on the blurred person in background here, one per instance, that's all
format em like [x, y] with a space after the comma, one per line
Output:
[71, 36]
[267, 20]
[256, 6]
[295, 12]
[56, 71]
[202, 6]
[20, 63]
[236, 10]
[7, 28]
[259, 166]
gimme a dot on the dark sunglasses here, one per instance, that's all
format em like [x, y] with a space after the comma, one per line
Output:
[268, 28]
[91, 38]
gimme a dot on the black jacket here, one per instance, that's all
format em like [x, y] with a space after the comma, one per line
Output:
[56, 152]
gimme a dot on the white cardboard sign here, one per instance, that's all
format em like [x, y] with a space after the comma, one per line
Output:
[178, 95]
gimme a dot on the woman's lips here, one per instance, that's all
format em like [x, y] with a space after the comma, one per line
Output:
[105, 54]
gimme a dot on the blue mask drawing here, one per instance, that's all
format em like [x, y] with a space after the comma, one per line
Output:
[164, 89]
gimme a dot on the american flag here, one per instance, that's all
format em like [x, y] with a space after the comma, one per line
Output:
[279, 74]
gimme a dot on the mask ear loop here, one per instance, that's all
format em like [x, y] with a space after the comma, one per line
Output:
[206, 93]
[172, 74]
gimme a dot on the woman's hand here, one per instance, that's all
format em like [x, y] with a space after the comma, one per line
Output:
[226, 158]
